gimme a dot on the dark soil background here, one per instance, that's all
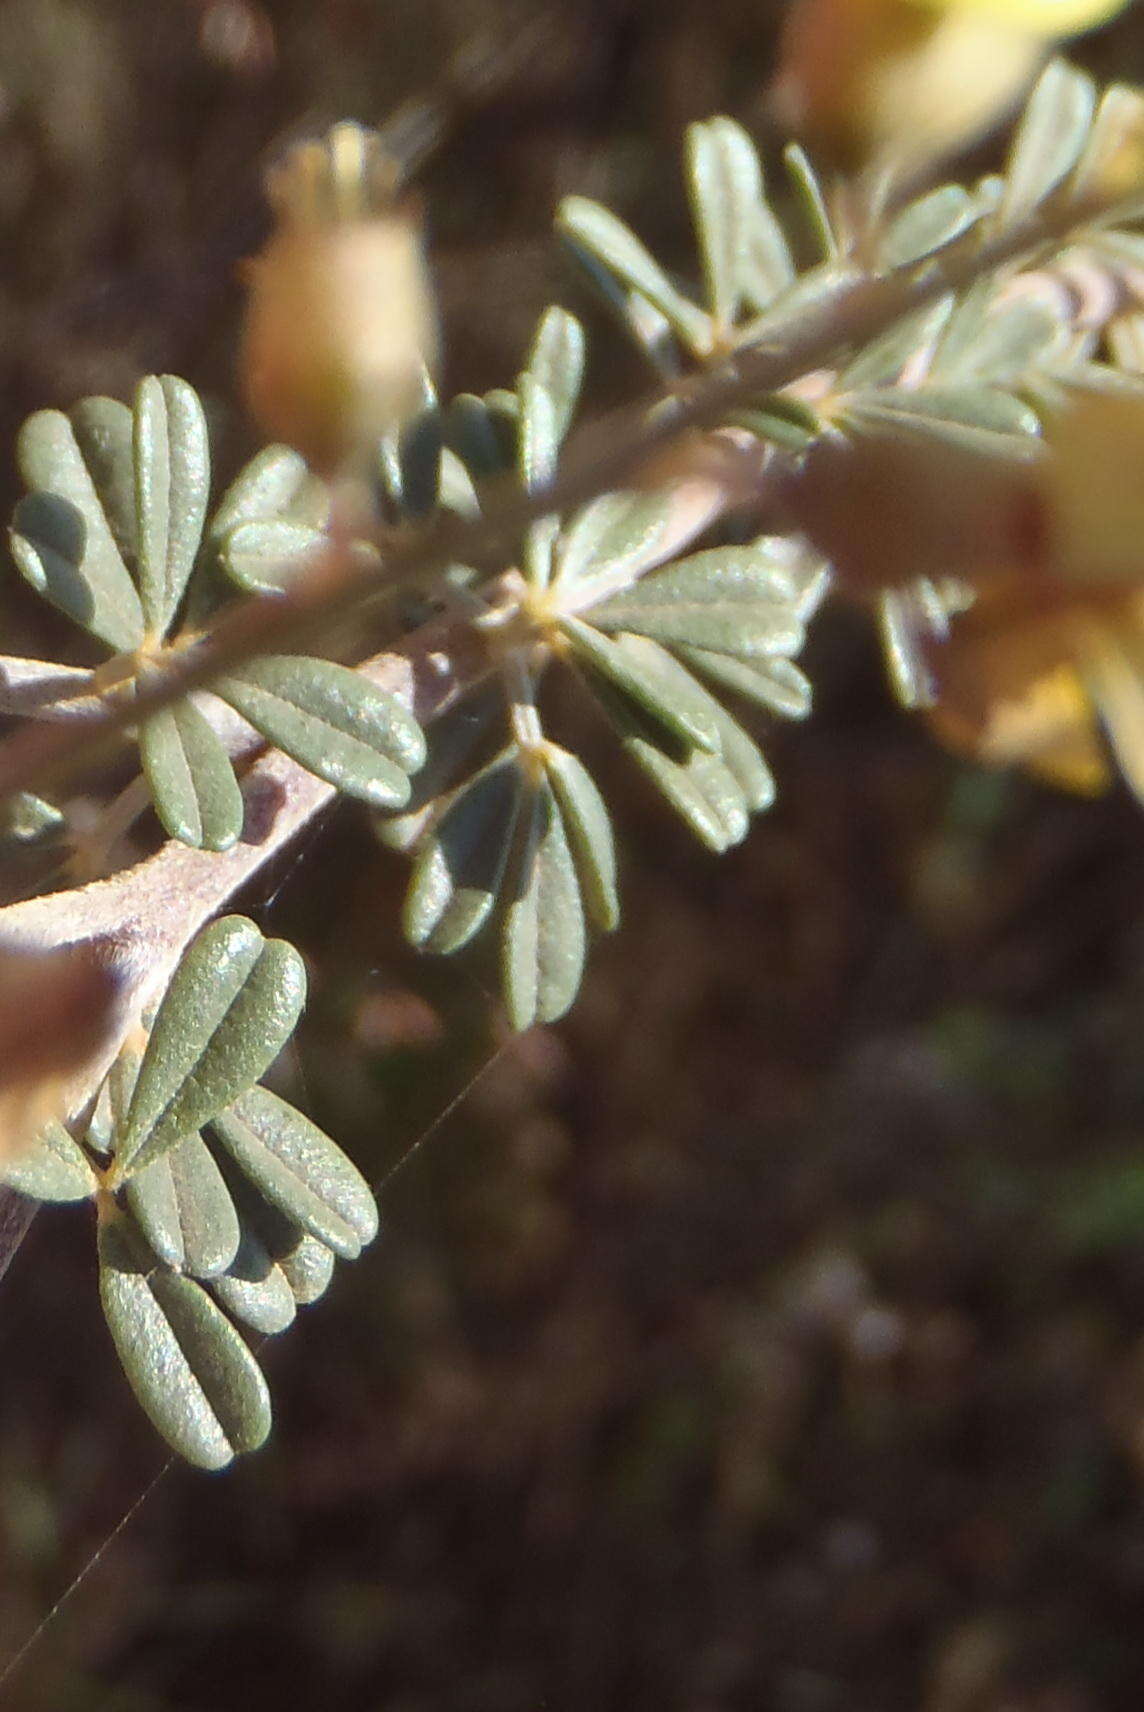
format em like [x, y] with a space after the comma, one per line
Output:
[770, 1336]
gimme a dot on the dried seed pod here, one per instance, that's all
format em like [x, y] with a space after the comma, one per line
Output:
[339, 322]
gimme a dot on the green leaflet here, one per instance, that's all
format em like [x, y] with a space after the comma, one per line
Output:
[264, 556]
[632, 667]
[191, 780]
[774, 683]
[297, 1168]
[71, 559]
[538, 445]
[184, 1209]
[702, 789]
[556, 364]
[928, 225]
[544, 940]
[104, 429]
[617, 533]
[190, 1370]
[52, 1168]
[474, 434]
[589, 829]
[1049, 140]
[598, 231]
[307, 1266]
[808, 191]
[254, 1288]
[268, 487]
[331, 720]
[459, 868]
[746, 260]
[230, 1008]
[172, 484]
[939, 409]
[731, 599]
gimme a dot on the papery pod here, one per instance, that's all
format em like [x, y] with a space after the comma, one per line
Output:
[254, 1288]
[774, 683]
[297, 1168]
[459, 869]
[616, 535]
[52, 1167]
[556, 364]
[184, 1209]
[1049, 140]
[230, 1008]
[929, 225]
[172, 485]
[337, 724]
[265, 556]
[190, 1370]
[589, 829]
[729, 599]
[598, 231]
[544, 940]
[190, 777]
[633, 673]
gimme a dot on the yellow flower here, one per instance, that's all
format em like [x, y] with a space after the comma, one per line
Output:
[339, 321]
[907, 81]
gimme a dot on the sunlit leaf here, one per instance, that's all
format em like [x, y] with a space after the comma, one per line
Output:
[544, 939]
[589, 829]
[265, 556]
[297, 1168]
[184, 1209]
[190, 777]
[230, 1008]
[928, 225]
[729, 599]
[1049, 139]
[622, 254]
[774, 683]
[631, 666]
[333, 721]
[556, 363]
[172, 484]
[254, 1288]
[725, 184]
[52, 1167]
[190, 1370]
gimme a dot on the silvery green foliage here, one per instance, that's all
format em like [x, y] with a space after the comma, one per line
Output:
[976, 370]
[218, 1203]
[506, 826]
[114, 532]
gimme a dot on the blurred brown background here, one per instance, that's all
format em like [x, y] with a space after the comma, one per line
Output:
[769, 1336]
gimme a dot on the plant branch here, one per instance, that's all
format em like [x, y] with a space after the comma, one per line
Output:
[598, 458]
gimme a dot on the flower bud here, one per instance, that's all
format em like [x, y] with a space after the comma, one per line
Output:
[339, 323]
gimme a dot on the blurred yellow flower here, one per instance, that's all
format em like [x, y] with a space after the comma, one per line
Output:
[904, 82]
[339, 323]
